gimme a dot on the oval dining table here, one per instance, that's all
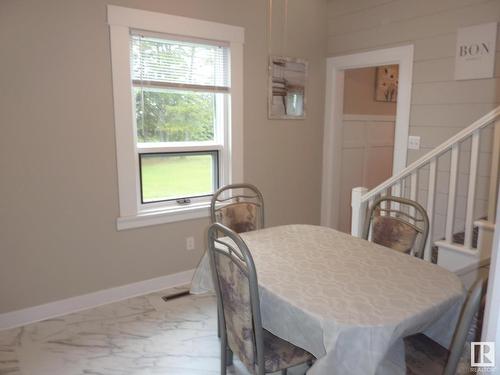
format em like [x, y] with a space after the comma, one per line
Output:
[347, 301]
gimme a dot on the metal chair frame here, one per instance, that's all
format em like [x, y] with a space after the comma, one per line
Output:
[449, 359]
[218, 202]
[469, 310]
[399, 215]
[243, 259]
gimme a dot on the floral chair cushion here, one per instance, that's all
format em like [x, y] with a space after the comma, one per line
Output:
[280, 354]
[240, 217]
[393, 233]
[235, 290]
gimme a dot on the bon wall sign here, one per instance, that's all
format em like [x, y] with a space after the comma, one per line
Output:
[475, 51]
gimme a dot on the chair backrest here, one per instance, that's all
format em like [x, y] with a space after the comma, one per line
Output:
[239, 207]
[398, 223]
[463, 332]
[236, 287]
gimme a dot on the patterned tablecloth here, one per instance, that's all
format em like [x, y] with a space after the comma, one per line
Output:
[346, 300]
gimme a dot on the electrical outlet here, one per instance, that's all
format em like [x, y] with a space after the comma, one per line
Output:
[414, 142]
[189, 243]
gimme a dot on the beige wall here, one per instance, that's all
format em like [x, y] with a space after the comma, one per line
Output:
[359, 94]
[58, 190]
[440, 106]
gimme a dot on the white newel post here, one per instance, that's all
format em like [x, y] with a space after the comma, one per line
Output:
[358, 211]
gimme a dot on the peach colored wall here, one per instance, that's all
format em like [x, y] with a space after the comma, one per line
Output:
[359, 94]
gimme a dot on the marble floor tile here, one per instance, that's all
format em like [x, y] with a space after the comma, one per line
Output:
[9, 363]
[140, 336]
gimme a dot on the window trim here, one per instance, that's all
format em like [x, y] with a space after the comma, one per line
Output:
[121, 21]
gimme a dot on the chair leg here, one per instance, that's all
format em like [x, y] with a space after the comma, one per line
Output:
[223, 355]
[229, 357]
[284, 371]
[218, 322]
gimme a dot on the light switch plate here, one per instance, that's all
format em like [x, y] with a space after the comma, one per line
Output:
[413, 142]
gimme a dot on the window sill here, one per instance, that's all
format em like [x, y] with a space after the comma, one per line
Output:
[148, 218]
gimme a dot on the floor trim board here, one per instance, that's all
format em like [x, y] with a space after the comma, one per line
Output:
[54, 309]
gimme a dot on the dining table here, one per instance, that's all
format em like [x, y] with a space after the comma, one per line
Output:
[348, 301]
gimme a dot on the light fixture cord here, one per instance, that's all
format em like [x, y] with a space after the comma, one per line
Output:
[270, 27]
[285, 28]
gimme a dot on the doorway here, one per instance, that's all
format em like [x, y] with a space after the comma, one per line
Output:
[335, 202]
[368, 121]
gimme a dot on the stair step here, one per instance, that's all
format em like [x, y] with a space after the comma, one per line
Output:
[458, 239]
[456, 257]
[457, 247]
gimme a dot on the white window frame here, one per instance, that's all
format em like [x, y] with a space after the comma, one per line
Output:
[121, 21]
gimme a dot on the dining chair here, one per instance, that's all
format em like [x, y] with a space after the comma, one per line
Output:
[398, 223]
[239, 207]
[236, 287]
[424, 356]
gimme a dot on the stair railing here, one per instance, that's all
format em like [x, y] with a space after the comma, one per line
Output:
[362, 198]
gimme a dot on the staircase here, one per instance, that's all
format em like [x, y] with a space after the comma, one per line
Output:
[452, 229]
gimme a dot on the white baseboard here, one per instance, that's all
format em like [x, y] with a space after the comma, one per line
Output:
[54, 309]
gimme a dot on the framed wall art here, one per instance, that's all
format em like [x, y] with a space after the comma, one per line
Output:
[287, 88]
[476, 51]
[386, 83]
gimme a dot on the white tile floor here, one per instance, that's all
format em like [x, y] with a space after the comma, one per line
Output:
[142, 335]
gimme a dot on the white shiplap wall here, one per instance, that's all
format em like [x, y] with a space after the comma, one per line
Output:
[440, 106]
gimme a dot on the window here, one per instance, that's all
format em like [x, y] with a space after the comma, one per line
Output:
[180, 90]
[177, 90]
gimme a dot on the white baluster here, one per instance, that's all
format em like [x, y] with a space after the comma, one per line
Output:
[371, 201]
[358, 211]
[452, 191]
[413, 191]
[370, 205]
[396, 191]
[431, 197]
[471, 194]
[494, 174]
[384, 205]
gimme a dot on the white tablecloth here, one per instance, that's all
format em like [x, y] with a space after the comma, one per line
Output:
[347, 301]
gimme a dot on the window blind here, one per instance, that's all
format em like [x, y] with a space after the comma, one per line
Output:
[172, 63]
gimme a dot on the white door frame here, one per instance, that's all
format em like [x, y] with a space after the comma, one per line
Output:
[334, 102]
